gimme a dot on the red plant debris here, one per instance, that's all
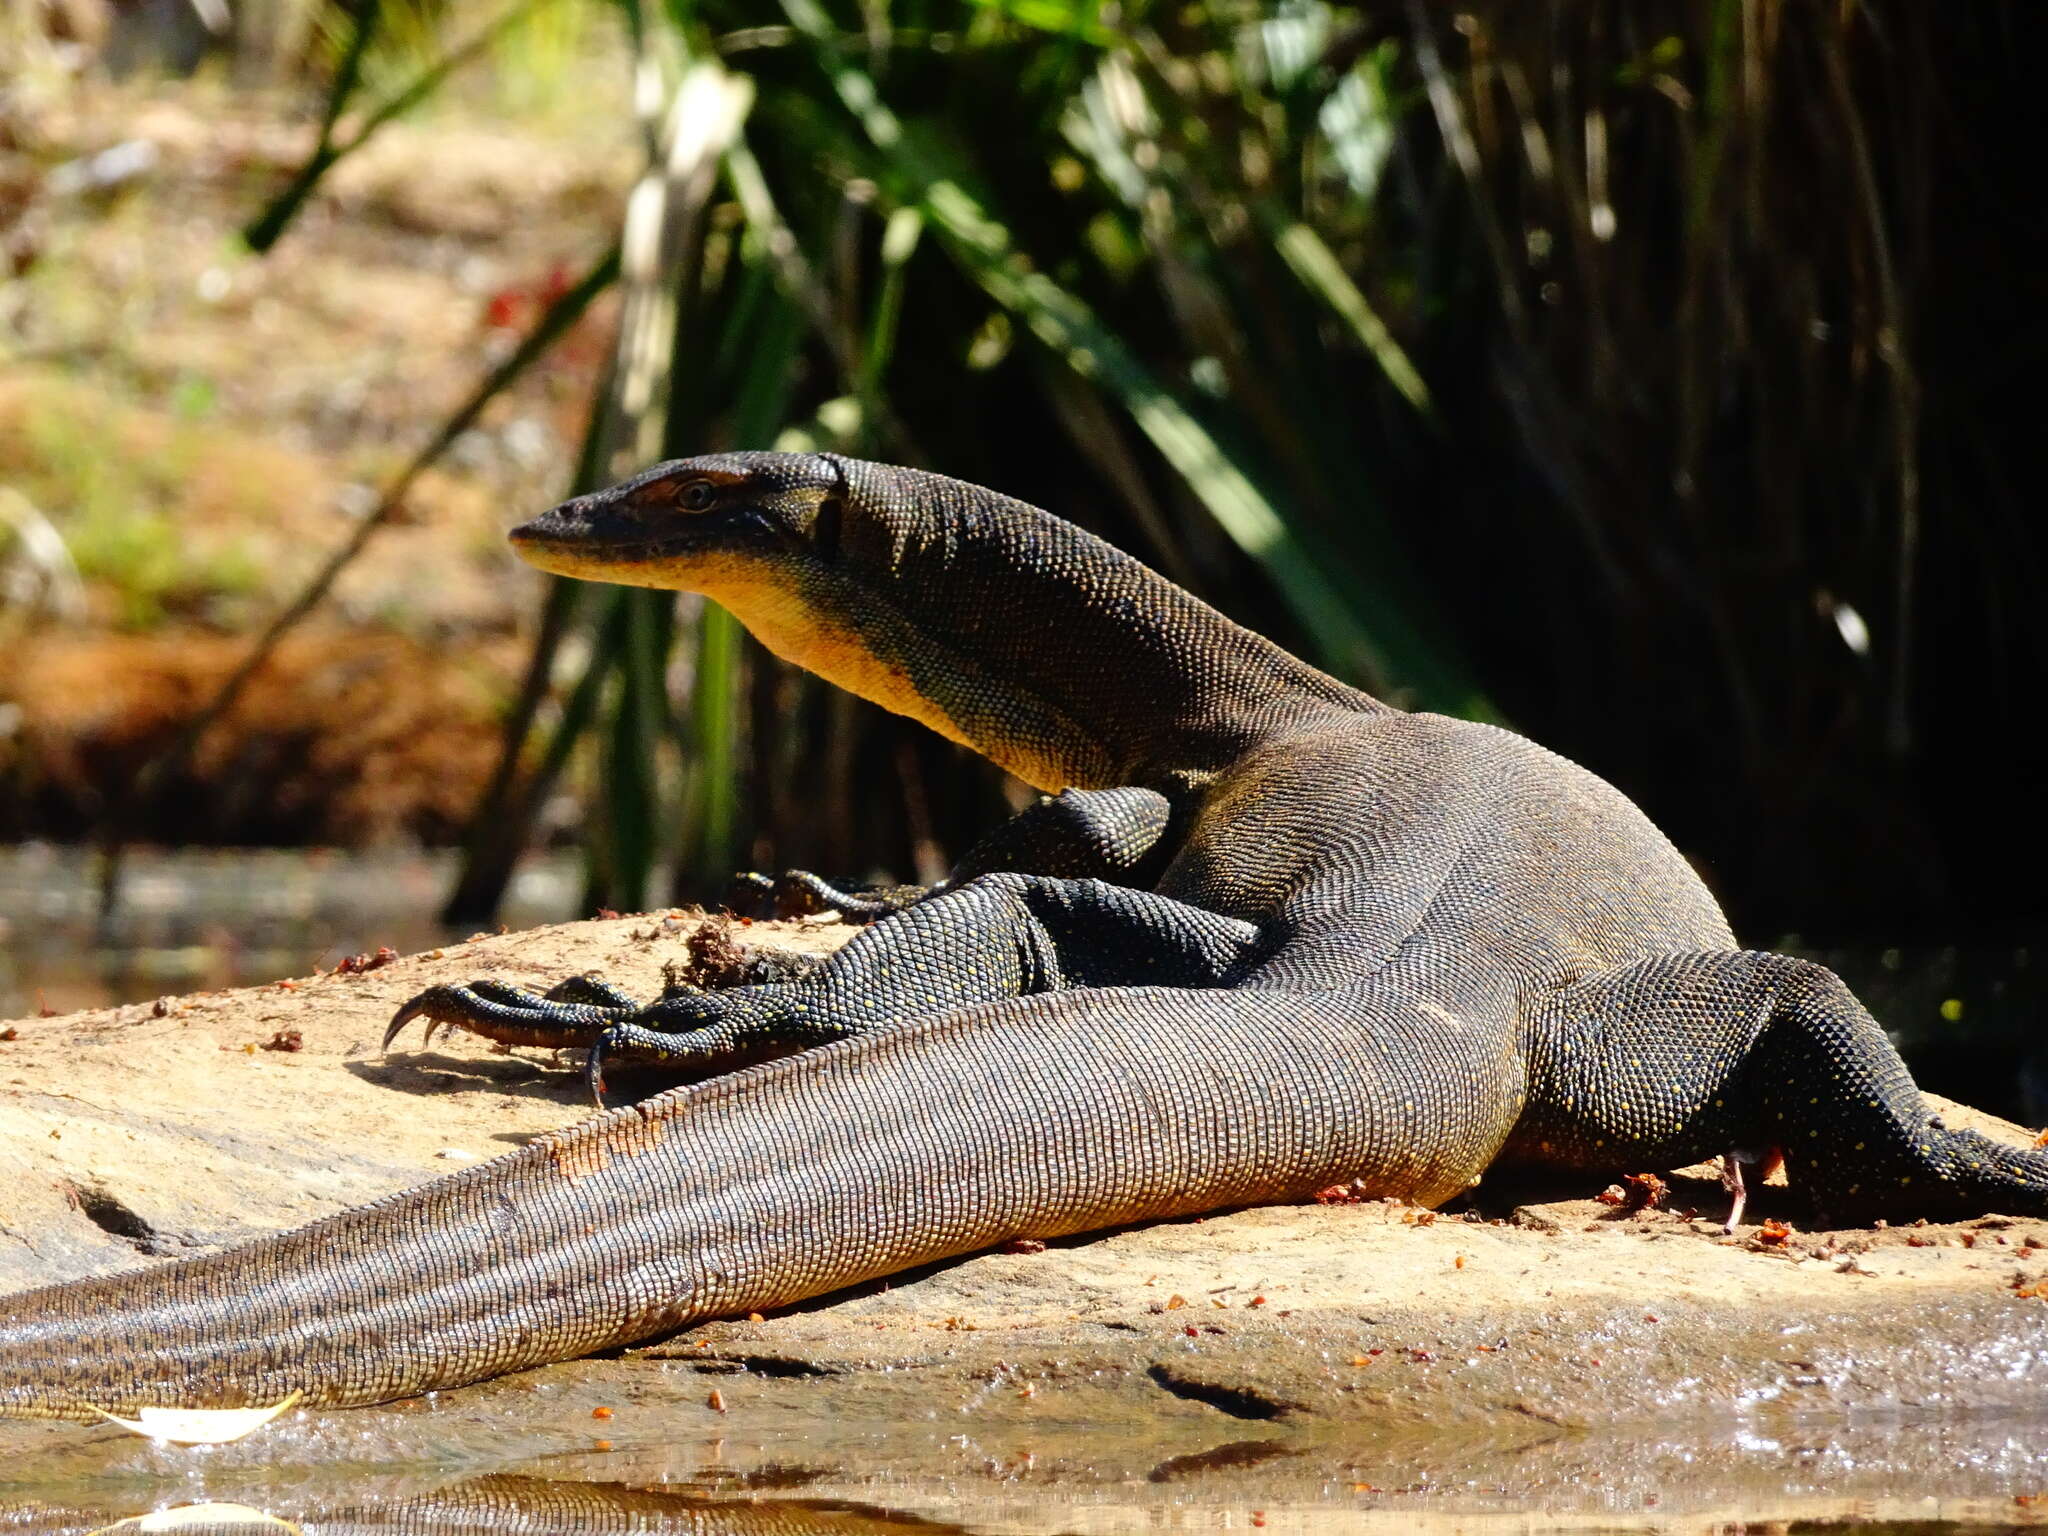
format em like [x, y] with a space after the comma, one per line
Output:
[1637, 1192]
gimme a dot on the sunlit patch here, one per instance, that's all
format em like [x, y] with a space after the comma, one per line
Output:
[198, 1426]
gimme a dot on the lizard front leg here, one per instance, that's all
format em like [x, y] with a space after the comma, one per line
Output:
[996, 936]
[1102, 834]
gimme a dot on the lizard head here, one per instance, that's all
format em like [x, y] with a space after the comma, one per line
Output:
[720, 523]
[780, 541]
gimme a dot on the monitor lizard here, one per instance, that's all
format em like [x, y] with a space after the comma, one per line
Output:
[1265, 934]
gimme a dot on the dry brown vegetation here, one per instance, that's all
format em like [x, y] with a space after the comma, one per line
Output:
[203, 428]
[346, 736]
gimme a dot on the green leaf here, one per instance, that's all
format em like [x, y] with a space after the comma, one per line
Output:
[1319, 270]
[1082, 22]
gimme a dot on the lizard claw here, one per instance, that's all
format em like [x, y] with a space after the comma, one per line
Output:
[1736, 1185]
[1733, 1162]
[798, 895]
[423, 1006]
[568, 1015]
[632, 1042]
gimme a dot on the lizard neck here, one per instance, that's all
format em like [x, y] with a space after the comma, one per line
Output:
[1016, 633]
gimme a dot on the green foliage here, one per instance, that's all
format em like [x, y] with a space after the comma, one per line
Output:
[1231, 282]
[114, 511]
[146, 558]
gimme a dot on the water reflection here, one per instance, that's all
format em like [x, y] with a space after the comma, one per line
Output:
[489, 1506]
[515, 1506]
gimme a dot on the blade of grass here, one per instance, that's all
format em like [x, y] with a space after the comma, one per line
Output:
[630, 840]
[709, 821]
[798, 279]
[1312, 260]
[501, 826]
[501, 823]
[763, 341]
[476, 899]
[1093, 426]
[900, 237]
[1081, 23]
[663, 242]
[263, 230]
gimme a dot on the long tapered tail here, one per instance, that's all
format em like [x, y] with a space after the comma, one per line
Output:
[1036, 1116]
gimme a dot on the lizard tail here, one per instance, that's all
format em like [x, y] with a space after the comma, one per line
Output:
[1993, 1176]
[1035, 1116]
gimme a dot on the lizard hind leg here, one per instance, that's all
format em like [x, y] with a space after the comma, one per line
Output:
[995, 936]
[1855, 1130]
[1688, 1056]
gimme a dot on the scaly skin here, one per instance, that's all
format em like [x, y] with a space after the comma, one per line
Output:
[1273, 936]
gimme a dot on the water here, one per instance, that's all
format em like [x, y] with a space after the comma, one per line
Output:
[201, 919]
[1723, 1479]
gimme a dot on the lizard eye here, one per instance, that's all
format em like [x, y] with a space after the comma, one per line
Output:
[697, 496]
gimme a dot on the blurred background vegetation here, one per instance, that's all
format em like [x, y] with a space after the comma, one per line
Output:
[1646, 376]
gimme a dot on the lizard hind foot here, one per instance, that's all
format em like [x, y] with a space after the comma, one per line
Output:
[718, 1045]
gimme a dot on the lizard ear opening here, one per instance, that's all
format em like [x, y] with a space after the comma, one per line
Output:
[825, 527]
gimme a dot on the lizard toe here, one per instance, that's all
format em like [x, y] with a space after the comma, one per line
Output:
[507, 1014]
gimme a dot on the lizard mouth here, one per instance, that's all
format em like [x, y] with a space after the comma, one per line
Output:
[542, 546]
[668, 563]
[590, 537]
[708, 556]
